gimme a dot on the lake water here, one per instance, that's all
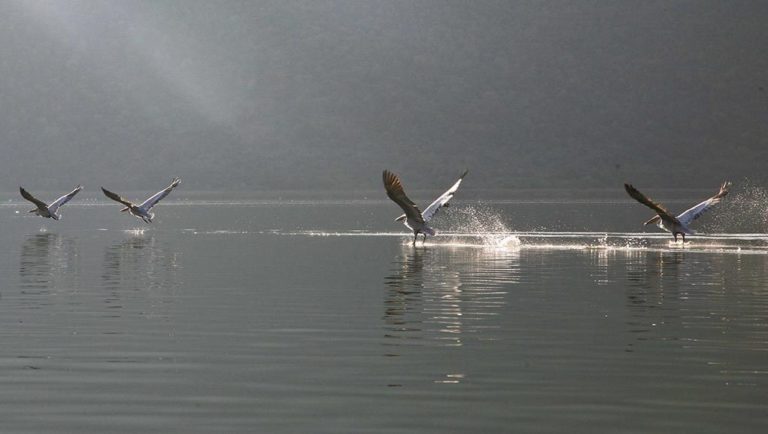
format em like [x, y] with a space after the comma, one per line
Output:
[294, 313]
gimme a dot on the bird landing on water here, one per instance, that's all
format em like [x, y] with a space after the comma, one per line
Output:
[414, 218]
[677, 225]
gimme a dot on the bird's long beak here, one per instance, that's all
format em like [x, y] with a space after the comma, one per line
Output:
[655, 219]
[401, 218]
[124, 209]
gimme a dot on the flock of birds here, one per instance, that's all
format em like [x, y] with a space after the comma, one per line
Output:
[142, 210]
[416, 220]
[413, 218]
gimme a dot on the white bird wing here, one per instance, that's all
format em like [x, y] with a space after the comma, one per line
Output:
[64, 199]
[157, 197]
[442, 201]
[695, 212]
[395, 192]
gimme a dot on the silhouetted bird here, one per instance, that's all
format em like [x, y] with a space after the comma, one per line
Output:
[49, 211]
[142, 211]
[413, 218]
[677, 225]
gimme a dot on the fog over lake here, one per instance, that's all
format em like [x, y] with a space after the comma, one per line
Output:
[325, 94]
[273, 290]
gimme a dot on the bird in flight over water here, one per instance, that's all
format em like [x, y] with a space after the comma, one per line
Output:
[49, 211]
[413, 218]
[677, 225]
[142, 210]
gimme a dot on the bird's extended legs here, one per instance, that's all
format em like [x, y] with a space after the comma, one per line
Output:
[416, 237]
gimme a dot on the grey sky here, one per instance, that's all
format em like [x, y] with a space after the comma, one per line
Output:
[326, 94]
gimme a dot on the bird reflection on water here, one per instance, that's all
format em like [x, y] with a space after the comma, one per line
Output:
[705, 307]
[444, 296]
[47, 259]
[140, 263]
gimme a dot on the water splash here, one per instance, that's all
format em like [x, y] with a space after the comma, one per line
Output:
[135, 231]
[744, 210]
[510, 242]
[485, 223]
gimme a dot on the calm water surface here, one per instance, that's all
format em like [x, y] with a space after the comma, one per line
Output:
[319, 316]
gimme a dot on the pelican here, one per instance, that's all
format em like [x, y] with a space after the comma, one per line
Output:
[142, 210]
[413, 218]
[668, 222]
[49, 211]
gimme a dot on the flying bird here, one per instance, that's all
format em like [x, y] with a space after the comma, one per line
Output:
[677, 225]
[413, 218]
[49, 211]
[142, 210]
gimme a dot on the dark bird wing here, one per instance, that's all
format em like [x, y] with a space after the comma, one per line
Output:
[157, 197]
[442, 201]
[64, 199]
[395, 192]
[116, 197]
[695, 212]
[38, 203]
[647, 201]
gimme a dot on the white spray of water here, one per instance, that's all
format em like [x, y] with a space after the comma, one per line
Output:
[510, 242]
[744, 210]
[484, 222]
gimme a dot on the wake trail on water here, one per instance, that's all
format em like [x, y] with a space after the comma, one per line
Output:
[747, 243]
[484, 227]
[543, 240]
